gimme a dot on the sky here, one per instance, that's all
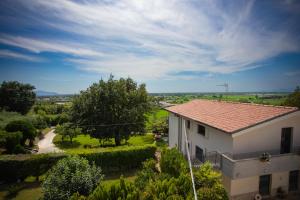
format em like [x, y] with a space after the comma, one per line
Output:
[171, 45]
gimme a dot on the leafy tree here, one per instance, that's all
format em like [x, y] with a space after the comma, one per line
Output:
[294, 98]
[111, 109]
[67, 130]
[25, 127]
[71, 175]
[15, 96]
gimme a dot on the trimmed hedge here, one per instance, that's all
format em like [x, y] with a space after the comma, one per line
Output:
[14, 167]
[120, 160]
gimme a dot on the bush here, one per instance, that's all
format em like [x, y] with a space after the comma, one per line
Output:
[18, 167]
[14, 167]
[120, 160]
[172, 162]
[70, 175]
[12, 140]
[25, 127]
[122, 190]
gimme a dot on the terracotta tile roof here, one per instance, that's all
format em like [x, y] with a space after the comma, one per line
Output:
[229, 117]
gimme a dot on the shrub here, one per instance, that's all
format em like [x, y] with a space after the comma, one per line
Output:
[18, 167]
[147, 173]
[120, 160]
[25, 127]
[172, 162]
[70, 175]
[122, 190]
[12, 140]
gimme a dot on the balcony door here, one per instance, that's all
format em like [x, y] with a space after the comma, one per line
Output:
[199, 154]
[286, 140]
[264, 185]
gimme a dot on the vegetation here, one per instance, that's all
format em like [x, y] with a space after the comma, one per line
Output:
[25, 128]
[67, 130]
[111, 109]
[154, 184]
[70, 175]
[86, 143]
[16, 97]
[294, 98]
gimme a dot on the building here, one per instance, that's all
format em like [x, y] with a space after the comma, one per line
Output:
[256, 147]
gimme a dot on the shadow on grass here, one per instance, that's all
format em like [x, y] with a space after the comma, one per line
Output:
[12, 190]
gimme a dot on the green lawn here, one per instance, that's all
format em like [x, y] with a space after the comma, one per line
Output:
[84, 143]
[156, 114]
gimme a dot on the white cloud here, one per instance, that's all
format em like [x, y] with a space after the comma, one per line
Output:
[15, 55]
[38, 45]
[153, 39]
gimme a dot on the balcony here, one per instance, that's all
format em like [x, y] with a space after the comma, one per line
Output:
[251, 164]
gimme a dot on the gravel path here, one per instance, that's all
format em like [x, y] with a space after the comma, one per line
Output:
[46, 144]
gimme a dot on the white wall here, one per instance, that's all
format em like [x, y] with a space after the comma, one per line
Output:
[173, 130]
[266, 136]
[214, 140]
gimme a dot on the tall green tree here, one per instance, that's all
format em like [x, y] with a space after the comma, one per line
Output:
[294, 98]
[111, 109]
[15, 96]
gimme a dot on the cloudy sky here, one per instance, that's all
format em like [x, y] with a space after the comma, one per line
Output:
[171, 45]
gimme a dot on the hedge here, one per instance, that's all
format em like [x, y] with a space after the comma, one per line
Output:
[120, 160]
[14, 167]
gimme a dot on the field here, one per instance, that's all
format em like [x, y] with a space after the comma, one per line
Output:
[259, 98]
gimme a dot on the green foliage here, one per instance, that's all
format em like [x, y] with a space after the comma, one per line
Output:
[68, 130]
[50, 108]
[70, 175]
[120, 102]
[208, 184]
[12, 141]
[147, 173]
[122, 159]
[172, 162]
[15, 96]
[294, 98]
[25, 127]
[123, 190]
[14, 167]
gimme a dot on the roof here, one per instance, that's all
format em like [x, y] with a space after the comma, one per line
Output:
[229, 117]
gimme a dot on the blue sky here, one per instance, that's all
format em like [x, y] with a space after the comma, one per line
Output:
[172, 46]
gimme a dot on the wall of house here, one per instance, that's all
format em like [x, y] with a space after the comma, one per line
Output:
[214, 140]
[267, 136]
[246, 188]
[173, 130]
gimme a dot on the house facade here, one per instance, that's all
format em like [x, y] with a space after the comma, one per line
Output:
[256, 147]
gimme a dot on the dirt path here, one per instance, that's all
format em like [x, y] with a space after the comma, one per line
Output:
[46, 144]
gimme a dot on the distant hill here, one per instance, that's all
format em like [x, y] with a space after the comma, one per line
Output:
[41, 93]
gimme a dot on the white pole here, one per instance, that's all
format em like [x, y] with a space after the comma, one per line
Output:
[190, 163]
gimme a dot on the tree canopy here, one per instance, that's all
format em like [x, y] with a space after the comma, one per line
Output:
[111, 109]
[294, 98]
[15, 96]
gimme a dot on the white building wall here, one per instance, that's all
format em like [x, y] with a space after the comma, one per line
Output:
[214, 140]
[266, 136]
[173, 130]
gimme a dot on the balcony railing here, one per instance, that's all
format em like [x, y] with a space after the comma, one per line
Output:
[251, 164]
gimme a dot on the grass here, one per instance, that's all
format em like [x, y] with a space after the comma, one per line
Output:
[21, 191]
[152, 117]
[81, 141]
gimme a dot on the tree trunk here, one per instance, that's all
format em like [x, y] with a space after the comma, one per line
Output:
[31, 142]
[117, 139]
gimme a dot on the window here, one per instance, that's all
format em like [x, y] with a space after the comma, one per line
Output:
[199, 154]
[264, 184]
[201, 130]
[188, 124]
[293, 180]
